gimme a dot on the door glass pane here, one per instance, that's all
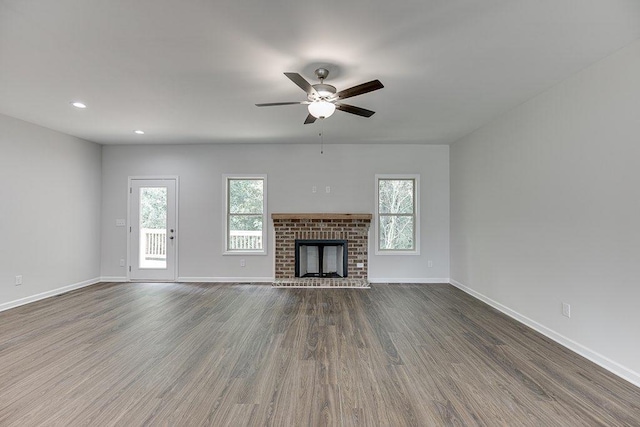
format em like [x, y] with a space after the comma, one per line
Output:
[153, 227]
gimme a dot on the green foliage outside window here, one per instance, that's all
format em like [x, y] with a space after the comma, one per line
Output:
[153, 208]
[245, 211]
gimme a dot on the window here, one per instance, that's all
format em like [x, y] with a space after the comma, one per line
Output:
[245, 223]
[397, 226]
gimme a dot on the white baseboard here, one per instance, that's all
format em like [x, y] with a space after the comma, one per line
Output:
[226, 279]
[201, 279]
[47, 294]
[429, 280]
[587, 353]
[118, 279]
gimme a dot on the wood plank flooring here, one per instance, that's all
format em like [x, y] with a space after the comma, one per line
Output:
[249, 355]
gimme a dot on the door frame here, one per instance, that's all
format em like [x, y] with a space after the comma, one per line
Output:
[176, 203]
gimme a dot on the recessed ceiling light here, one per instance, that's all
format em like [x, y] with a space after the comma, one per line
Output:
[139, 132]
[78, 104]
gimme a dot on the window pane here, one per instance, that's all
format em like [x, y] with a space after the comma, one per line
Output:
[245, 222]
[395, 196]
[153, 227]
[245, 196]
[396, 232]
[245, 232]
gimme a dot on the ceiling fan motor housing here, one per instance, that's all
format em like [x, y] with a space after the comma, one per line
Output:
[324, 91]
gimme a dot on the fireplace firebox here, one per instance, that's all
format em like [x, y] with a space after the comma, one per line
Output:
[321, 258]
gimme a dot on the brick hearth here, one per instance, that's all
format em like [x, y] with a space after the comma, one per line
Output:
[351, 227]
[316, 282]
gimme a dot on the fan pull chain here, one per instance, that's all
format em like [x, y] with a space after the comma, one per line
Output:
[321, 135]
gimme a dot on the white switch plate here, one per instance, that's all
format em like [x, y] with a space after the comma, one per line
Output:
[121, 222]
[429, 263]
[360, 265]
[121, 262]
[314, 189]
[18, 280]
[243, 263]
[328, 189]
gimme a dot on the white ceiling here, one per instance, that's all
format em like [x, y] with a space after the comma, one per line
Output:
[190, 71]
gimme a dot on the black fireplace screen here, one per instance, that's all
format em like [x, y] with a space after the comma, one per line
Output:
[321, 258]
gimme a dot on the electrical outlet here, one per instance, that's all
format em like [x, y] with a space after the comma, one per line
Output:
[121, 262]
[328, 189]
[120, 222]
[242, 263]
[360, 265]
[429, 263]
[18, 280]
[314, 189]
[566, 309]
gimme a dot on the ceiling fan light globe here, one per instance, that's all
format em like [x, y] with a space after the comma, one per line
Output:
[321, 109]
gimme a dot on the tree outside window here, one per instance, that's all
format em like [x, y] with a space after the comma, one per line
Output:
[397, 214]
[153, 208]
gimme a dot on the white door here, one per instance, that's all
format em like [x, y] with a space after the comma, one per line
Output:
[152, 232]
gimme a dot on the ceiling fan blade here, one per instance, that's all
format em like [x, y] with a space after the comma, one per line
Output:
[355, 110]
[310, 119]
[359, 90]
[271, 104]
[302, 83]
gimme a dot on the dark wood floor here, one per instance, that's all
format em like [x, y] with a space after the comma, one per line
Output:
[211, 354]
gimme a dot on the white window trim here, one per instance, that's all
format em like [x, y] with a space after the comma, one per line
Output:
[416, 251]
[225, 214]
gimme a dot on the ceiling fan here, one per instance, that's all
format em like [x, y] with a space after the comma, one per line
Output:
[322, 99]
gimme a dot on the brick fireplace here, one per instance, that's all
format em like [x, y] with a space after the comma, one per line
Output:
[354, 228]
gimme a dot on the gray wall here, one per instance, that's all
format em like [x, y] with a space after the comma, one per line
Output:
[545, 209]
[292, 170]
[49, 211]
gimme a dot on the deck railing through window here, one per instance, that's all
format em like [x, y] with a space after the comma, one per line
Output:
[155, 244]
[243, 239]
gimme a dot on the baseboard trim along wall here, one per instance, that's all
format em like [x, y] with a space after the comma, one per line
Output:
[597, 358]
[430, 280]
[226, 279]
[111, 279]
[48, 294]
[187, 279]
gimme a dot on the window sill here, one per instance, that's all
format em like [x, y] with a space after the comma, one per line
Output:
[244, 253]
[386, 253]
